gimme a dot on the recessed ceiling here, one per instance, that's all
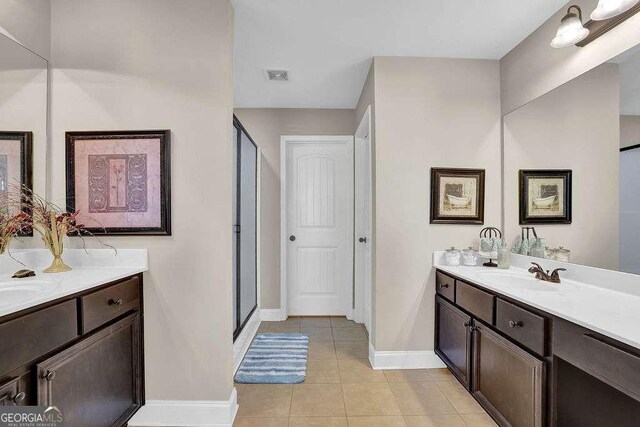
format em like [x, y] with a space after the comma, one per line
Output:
[328, 44]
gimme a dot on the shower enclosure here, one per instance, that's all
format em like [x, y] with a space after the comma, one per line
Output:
[245, 295]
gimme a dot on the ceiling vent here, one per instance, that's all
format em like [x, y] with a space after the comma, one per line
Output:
[277, 75]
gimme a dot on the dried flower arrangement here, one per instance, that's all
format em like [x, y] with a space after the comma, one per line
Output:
[51, 222]
[12, 225]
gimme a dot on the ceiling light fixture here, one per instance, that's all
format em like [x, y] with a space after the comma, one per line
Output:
[571, 30]
[609, 8]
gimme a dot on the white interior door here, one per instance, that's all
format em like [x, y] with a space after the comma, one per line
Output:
[319, 225]
[363, 239]
[630, 211]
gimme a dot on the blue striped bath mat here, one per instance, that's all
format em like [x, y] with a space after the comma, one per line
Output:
[275, 359]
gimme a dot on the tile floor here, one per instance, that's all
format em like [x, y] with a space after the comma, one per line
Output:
[342, 390]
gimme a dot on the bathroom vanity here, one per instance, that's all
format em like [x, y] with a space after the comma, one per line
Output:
[534, 353]
[75, 341]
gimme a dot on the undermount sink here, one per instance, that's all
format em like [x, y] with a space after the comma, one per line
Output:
[16, 291]
[521, 280]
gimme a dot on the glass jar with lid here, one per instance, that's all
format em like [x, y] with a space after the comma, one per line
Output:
[470, 256]
[452, 256]
[563, 254]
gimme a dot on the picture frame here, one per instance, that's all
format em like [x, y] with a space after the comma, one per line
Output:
[457, 196]
[545, 196]
[16, 165]
[120, 181]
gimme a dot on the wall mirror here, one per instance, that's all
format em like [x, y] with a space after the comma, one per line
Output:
[23, 119]
[589, 131]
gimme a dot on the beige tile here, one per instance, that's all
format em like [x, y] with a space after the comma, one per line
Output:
[317, 334]
[261, 422]
[460, 397]
[349, 334]
[317, 400]
[359, 371]
[321, 350]
[264, 400]
[382, 421]
[283, 329]
[263, 328]
[343, 322]
[317, 422]
[369, 399]
[421, 398]
[322, 371]
[478, 420]
[316, 322]
[352, 349]
[292, 321]
[441, 374]
[435, 421]
[407, 375]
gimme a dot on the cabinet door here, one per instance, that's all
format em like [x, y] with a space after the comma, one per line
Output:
[12, 393]
[507, 380]
[453, 339]
[96, 382]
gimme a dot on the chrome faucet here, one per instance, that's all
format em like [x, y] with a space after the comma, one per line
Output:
[541, 274]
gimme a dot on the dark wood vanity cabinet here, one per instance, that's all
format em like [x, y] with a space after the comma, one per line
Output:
[94, 372]
[507, 380]
[453, 339]
[529, 368]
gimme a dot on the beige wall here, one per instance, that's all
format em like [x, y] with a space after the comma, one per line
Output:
[155, 64]
[266, 125]
[29, 22]
[533, 68]
[629, 131]
[573, 127]
[429, 113]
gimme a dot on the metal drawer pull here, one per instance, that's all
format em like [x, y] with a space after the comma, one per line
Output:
[19, 397]
[517, 324]
[115, 301]
[49, 375]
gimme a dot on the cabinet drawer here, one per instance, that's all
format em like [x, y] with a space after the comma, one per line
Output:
[522, 325]
[475, 301]
[445, 285]
[102, 306]
[29, 337]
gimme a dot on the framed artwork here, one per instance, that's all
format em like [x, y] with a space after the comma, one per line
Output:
[457, 196]
[16, 166]
[545, 196]
[120, 181]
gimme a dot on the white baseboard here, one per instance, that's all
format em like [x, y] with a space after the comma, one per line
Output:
[403, 359]
[272, 315]
[241, 344]
[178, 413]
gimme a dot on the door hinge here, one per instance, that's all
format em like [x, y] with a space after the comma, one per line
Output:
[236, 228]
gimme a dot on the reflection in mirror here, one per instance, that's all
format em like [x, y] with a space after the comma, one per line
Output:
[590, 127]
[23, 119]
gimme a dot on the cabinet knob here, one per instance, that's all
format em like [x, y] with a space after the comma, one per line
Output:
[49, 375]
[115, 301]
[444, 285]
[19, 397]
[513, 324]
[467, 324]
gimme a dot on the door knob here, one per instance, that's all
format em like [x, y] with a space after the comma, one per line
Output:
[362, 240]
[292, 238]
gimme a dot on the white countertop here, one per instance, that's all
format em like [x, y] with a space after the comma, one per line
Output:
[612, 308]
[90, 269]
